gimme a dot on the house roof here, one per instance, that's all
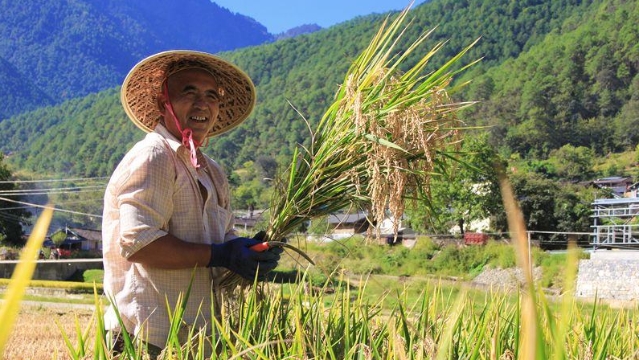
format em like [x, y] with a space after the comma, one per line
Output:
[249, 222]
[346, 218]
[249, 219]
[88, 234]
[613, 180]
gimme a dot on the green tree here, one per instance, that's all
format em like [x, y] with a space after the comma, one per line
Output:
[468, 192]
[12, 216]
[250, 188]
[266, 167]
[548, 205]
[626, 124]
[536, 196]
[572, 162]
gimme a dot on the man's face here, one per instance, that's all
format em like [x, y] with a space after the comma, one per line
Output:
[195, 100]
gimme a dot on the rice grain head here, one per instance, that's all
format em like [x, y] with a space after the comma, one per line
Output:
[398, 163]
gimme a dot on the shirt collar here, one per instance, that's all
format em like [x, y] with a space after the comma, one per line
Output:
[174, 143]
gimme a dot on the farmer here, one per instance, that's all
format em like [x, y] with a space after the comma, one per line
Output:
[167, 220]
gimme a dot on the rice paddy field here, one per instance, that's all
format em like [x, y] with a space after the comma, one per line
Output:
[380, 317]
[38, 331]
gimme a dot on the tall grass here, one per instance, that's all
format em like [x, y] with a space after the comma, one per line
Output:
[342, 321]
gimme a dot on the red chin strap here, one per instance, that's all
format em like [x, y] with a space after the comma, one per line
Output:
[187, 134]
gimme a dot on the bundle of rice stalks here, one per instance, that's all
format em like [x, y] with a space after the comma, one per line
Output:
[379, 142]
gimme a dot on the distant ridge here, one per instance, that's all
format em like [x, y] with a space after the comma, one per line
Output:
[298, 30]
[57, 50]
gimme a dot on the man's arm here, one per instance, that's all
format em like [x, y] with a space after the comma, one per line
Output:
[169, 252]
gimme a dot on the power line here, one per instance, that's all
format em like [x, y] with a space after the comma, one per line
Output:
[47, 207]
[66, 190]
[51, 180]
[34, 192]
[52, 191]
[15, 208]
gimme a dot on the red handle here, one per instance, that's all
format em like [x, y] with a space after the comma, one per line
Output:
[260, 247]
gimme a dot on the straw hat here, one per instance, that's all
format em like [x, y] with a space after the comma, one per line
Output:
[144, 82]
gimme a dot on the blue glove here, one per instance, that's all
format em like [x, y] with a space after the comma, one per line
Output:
[236, 256]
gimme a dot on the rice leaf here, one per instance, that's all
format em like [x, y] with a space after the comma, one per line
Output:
[381, 141]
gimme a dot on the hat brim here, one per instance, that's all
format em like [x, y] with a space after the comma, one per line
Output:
[144, 83]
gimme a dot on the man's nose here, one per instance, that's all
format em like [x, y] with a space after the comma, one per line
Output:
[199, 102]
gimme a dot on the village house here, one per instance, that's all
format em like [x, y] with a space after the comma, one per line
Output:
[77, 239]
[620, 186]
[343, 225]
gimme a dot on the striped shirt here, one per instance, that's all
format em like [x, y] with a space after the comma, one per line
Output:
[154, 191]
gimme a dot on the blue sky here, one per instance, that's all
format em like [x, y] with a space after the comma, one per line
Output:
[281, 15]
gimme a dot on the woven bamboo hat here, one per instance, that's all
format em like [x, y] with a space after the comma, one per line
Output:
[144, 82]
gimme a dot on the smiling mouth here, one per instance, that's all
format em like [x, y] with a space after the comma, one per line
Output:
[198, 119]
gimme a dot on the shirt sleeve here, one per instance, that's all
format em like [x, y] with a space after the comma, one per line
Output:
[144, 194]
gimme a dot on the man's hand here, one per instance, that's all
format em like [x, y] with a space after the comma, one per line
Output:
[237, 256]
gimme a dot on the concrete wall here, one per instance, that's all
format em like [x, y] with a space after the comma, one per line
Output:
[53, 269]
[609, 274]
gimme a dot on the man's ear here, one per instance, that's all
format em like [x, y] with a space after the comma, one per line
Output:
[161, 102]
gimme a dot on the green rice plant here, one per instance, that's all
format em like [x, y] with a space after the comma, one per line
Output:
[345, 320]
[100, 348]
[82, 337]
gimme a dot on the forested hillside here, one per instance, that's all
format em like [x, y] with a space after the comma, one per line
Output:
[65, 49]
[578, 87]
[18, 92]
[304, 71]
[557, 86]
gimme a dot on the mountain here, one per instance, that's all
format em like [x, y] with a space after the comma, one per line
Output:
[63, 49]
[553, 73]
[579, 87]
[18, 93]
[298, 30]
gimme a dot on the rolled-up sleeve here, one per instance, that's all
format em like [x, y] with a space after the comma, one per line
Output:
[144, 199]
